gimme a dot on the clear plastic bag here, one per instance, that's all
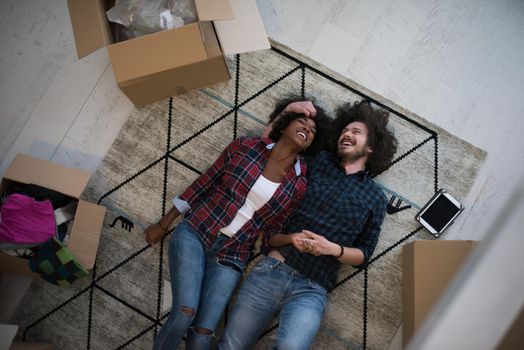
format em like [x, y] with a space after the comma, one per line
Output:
[141, 17]
[184, 9]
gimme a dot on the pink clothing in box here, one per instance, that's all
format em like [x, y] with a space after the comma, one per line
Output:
[25, 220]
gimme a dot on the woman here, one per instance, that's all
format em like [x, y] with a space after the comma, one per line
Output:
[253, 185]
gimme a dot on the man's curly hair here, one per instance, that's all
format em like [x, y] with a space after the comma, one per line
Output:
[322, 125]
[381, 140]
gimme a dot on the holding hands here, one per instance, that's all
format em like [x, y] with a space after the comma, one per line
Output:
[310, 242]
[298, 241]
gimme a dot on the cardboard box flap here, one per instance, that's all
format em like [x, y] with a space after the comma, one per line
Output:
[90, 26]
[12, 264]
[27, 169]
[209, 10]
[176, 81]
[245, 32]
[147, 55]
[7, 334]
[85, 233]
[22, 345]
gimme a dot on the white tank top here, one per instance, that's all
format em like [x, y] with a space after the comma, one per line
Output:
[258, 195]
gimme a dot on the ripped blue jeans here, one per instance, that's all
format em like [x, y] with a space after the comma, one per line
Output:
[201, 287]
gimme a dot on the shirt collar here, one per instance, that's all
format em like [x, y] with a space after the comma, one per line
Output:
[361, 174]
[298, 168]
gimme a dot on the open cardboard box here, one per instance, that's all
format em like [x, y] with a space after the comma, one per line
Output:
[428, 267]
[7, 335]
[89, 217]
[171, 62]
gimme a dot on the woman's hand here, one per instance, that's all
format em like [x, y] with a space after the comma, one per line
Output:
[301, 107]
[299, 242]
[154, 233]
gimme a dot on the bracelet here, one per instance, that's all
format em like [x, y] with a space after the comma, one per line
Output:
[341, 251]
[162, 227]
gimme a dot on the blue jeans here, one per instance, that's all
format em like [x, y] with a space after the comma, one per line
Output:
[270, 288]
[201, 287]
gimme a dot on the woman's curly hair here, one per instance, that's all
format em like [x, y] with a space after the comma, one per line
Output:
[381, 140]
[322, 122]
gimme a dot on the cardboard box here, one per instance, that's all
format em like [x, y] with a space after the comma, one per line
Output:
[23, 345]
[514, 337]
[7, 334]
[89, 217]
[428, 268]
[171, 62]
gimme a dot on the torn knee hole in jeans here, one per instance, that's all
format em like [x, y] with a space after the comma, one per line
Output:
[202, 331]
[187, 310]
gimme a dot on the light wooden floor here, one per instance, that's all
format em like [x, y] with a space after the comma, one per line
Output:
[459, 64]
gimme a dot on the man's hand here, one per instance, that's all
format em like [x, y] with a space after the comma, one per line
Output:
[317, 244]
[154, 233]
[298, 241]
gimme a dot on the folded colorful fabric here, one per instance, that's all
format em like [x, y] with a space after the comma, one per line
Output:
[56, 264]
[25, 220]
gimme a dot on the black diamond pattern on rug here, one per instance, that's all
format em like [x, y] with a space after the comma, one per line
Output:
[183, 145]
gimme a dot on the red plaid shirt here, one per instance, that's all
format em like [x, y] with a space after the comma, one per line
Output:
[216, 196]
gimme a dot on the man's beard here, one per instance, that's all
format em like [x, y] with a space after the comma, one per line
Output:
[353, 155]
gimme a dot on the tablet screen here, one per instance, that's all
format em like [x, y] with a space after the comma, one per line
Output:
[440, 212]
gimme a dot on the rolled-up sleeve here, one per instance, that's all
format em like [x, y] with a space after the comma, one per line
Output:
[181, 205]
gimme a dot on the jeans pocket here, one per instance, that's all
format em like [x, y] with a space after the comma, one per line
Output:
[230, 265]
[266, 264]
[317, 288]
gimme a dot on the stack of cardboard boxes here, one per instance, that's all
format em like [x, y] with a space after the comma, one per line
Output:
[147, 69]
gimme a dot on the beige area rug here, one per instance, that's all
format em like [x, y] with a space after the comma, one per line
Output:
[161, 150]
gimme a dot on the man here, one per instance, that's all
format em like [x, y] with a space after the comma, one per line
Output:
[337, 222]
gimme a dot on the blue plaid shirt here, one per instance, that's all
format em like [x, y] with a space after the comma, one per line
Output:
[346, 209]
